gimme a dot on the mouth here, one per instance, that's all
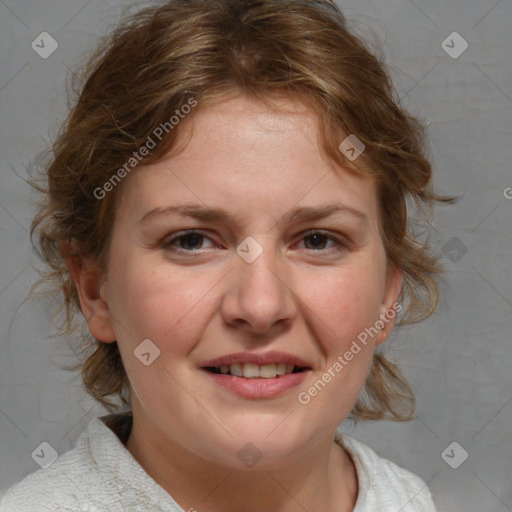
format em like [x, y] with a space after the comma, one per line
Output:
[253, 381]
[255, 371]
[257, 375]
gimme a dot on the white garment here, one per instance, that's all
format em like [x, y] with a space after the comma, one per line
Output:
[100, 475]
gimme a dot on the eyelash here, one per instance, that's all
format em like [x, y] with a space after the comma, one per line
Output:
[168, 243]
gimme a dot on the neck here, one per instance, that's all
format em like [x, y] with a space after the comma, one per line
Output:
[324, 480]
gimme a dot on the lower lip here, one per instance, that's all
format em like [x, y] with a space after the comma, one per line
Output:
[258, 387]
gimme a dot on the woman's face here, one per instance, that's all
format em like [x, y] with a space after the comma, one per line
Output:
[265, 276]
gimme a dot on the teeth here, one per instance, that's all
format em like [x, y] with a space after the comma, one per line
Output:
[254, 371]
[236, 369]
[251, 371]
[281, 368]
[268, 371]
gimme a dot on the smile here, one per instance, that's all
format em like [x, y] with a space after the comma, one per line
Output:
[256, 386]
[255, 371]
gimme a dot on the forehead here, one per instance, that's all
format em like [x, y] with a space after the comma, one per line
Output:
[244, 155]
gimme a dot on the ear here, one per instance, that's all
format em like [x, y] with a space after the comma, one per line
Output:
[88, 282]
[390, 306]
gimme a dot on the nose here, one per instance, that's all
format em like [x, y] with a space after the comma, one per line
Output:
[258, 298]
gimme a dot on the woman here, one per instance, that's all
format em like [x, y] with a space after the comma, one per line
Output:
[227, 207]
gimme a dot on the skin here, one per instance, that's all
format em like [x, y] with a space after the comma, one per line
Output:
[298, 297]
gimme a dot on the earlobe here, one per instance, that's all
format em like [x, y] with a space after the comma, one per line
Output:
[88, 283]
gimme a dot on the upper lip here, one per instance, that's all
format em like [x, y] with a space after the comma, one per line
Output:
[270, 357]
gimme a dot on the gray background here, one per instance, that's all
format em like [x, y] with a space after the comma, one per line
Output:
[458, 361]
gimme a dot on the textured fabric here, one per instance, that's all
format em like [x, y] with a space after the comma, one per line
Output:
[100, 475]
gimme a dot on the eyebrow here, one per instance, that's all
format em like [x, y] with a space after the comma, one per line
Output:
[208, 214]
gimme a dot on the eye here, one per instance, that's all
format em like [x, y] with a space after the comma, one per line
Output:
[318, 240]
[189, 242]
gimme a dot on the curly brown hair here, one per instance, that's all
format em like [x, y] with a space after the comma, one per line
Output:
[141, 73]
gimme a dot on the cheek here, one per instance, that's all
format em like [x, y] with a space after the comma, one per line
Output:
[346, 302]
[161, 303]
[345, 309]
